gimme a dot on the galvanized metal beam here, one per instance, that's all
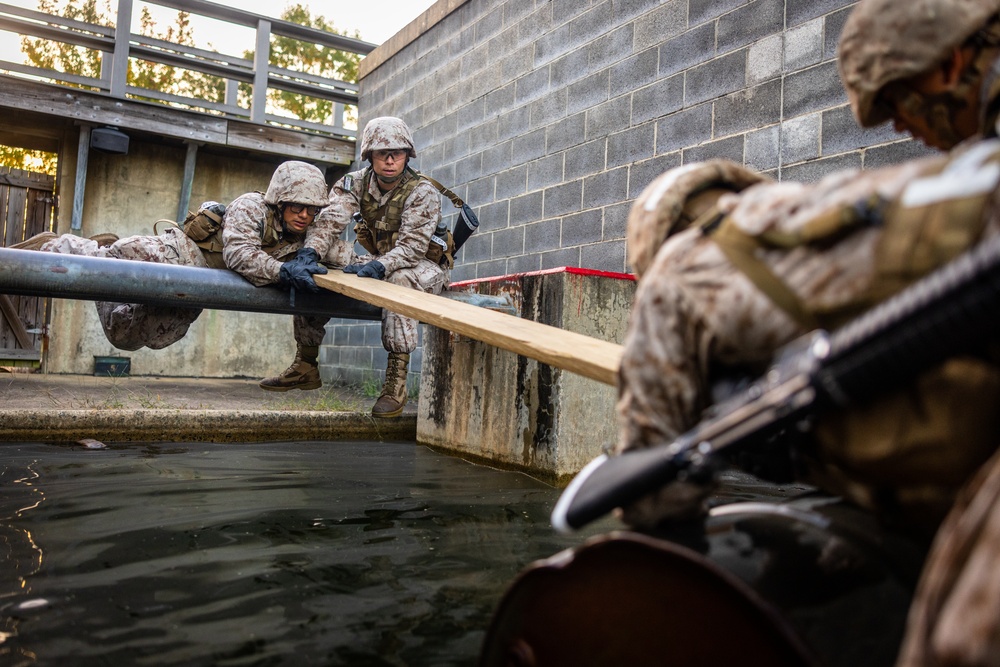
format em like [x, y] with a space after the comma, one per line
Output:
[31, 273]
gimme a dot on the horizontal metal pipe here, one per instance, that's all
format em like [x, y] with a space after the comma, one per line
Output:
[502, 304]
[31, 273]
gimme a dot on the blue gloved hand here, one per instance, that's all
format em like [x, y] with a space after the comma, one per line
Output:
[298, 273]
[373, 269]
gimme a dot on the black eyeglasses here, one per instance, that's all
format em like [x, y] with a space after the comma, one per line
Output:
[311, 210]
[396, 154]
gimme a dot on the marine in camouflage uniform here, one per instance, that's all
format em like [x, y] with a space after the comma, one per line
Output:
[131, 326]
[933, 66]
[259, 233]
[385, 190]
[758, 269]
[703, 306]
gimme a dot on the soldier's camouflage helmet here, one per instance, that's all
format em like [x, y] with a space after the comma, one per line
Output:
[298, 183]
[887, 40]
[386, 134]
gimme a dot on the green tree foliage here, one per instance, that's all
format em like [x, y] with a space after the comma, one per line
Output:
[167, 78]
[292, 54]
[28, 160]
[81, 61]
[286, 52]
[68, 58]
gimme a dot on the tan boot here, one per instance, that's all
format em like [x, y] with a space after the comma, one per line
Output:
[35, 242]
[104, 240]
[393, 398]
[302, 374]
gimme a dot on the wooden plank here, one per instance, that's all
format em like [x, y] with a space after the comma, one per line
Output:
[14, 322]
[590, 357]
[7, 354]
[78, 105]
[27, 179]
[39, 218]
[280, 141]
[17, 199]
[9, 236]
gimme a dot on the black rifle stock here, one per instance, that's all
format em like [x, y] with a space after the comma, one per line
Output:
[951, 311]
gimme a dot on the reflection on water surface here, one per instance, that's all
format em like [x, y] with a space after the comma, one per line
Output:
[259, 554]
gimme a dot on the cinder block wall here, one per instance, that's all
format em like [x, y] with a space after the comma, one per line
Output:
[551, 116]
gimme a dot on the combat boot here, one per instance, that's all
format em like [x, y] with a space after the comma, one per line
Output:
[35, 242]
[104, 240]
[38, 240]
[393, 398]
[302, 374]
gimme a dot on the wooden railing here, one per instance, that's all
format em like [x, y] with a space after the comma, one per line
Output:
[118, 47]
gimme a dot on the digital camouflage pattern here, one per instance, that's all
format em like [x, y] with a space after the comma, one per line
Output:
[886, 40]
[297, 182]
[242, 234]
[695, 312]
[989, 106]
[955, 612]
[248, 220]
[954, 617]
[660, 209]
[385, 134]
[405, 264]
[131, 326]
[400, 334]
[253, 236]
[243, 251]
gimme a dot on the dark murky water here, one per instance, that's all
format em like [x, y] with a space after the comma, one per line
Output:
[258, 554]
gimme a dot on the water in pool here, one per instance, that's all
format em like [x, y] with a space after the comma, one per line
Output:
[306, 553]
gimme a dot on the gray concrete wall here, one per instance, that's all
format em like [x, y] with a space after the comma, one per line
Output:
[126, 194]
[551, 116]
[487, 403]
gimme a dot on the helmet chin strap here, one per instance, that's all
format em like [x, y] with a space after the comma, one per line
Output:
[943, 109]
[389, 180]
[940, 111]
[941, 118]
[281, 216]
[990, 79]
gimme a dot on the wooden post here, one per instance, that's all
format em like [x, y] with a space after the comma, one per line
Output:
[123, 36]
[261, 66]
[80, 183]
[189, 164]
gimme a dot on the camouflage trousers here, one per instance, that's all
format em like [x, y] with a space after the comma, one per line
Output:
[131, 326]
[399, 334]
[955, 615]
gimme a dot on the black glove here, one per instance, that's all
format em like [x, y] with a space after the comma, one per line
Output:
[373, 269]
[298, 273]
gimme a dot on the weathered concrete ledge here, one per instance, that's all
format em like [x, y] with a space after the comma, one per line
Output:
[160, 425]
[489, 405]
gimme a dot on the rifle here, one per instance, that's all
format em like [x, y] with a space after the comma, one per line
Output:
[951, 311]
